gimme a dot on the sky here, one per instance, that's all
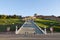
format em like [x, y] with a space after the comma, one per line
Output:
[30, 7]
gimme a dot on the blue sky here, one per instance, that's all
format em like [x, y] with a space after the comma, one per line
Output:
[29, 7]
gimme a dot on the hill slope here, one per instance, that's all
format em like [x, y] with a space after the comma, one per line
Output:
[48, 23]
[12, 23]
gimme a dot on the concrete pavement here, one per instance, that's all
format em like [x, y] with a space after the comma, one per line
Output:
[12, 36]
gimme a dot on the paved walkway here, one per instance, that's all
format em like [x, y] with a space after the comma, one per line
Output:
[12, 36]
[30, 27]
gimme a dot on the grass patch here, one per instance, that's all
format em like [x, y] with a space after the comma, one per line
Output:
[48, 23]
[12, 23]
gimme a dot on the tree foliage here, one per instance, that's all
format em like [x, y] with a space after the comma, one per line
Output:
[10, 16]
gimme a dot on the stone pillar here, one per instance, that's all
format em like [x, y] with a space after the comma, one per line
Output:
[51, 30]
[45, 30]
[8, 29]
[16, 30]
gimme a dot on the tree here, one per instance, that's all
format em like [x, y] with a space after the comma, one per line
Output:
[35, 14]
[58, 16]
[10, 16]
[3, 16]
[14, 16]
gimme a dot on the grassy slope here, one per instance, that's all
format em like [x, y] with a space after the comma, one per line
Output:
[9, 21]
[4, 23]
[12, 23]
[48, 23]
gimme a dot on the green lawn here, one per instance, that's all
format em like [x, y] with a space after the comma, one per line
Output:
[48, 23]
[9, 21]
[12, 23]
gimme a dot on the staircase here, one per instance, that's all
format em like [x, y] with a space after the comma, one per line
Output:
[29, 27]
